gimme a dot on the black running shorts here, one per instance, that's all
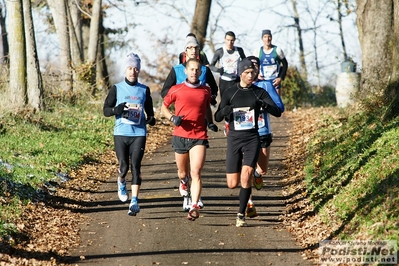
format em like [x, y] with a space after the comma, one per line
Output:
[242, 149]
[183, 145]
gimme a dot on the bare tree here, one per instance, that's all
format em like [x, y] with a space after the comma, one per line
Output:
[34, 76]
[75, 32]
[314, 15]
[297, 26]
[3, 30]
[93, 41]
[17, 85]
[200, 20]
[58, 10]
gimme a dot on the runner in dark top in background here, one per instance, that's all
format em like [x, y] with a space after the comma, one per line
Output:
[177, 75]
[202, 56]
[227, 58]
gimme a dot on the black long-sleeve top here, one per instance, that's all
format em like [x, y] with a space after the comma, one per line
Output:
[238, 96]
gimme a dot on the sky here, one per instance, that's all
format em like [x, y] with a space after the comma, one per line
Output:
[149, 21]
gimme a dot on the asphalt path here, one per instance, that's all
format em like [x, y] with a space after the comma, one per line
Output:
[161, 235]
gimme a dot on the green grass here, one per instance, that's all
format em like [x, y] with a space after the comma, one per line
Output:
[352, 174]
[37, 145]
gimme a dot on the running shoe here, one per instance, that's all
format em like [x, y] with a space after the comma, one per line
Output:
[251, 211]
[122, 191]
[134, 208]
[258, 181]
[200, 203]
[184, 187]
[187, 203]
[193, 212]
[240, 221]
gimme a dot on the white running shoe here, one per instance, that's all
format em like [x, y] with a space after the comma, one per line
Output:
[187, 203]
[122, 191]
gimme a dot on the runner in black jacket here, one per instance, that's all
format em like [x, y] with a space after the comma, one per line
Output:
[241, 105]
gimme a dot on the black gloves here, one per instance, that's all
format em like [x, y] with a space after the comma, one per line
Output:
[227, 110]
[118, 110]
[213, 127]
[176, 120]
[213, 100]
[150, 120]
[221, 70]
[258, 104]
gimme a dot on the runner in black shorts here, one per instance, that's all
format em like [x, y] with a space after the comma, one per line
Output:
[241, 105]
[190, 139]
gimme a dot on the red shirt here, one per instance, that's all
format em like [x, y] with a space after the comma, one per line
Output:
[192, 101]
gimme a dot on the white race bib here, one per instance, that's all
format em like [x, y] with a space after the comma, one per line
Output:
[132, 115]
[243, 118]
[269, 71]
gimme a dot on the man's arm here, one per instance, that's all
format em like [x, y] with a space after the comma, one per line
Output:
[148, 105]
[165, 111]
[283, 69]
[169, 82]
[210, 80]
[241, 52]
[110, 102]
[216, 57]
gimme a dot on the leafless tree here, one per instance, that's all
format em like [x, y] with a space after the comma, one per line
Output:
[16, 36]
[34, 76]
[3, 30]
[58, 10]
[200, 20]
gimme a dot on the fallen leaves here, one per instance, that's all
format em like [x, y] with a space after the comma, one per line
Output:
[48, 229]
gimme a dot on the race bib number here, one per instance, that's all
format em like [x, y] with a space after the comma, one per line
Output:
[132, 115]
[269, 71]
[231, 68]
[243, 118]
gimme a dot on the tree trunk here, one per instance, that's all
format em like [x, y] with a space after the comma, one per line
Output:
[4, 38]
[102, 75]
[15, 24]
[59, 12]
[75, 33]
[93, 41]
[378, 26]
[200, 20]
[341, 32]
[304, 72]
[34, 76]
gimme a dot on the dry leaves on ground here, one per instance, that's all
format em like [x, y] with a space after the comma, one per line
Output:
[300, 219]
[51, 227]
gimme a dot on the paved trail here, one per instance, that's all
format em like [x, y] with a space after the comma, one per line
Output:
[161, 235]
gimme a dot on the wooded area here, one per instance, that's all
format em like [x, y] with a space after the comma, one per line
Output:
[81, 64]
